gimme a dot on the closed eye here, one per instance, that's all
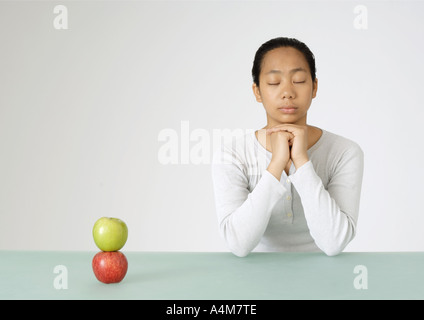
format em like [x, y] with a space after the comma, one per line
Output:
[273, 84]
[299, 81]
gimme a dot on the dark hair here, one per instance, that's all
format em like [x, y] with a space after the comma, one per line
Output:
[278, 43]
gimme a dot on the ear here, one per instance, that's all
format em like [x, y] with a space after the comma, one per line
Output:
[256, 92]
[315, 88]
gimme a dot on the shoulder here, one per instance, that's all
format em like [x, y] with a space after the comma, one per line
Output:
[333, 151]
[340, 145]
[341, 154]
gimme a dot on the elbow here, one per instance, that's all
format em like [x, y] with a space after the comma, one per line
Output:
[236, 243]
[240, 252]
[332, 251]
[335, 245]
[332, 248]
[238, 248]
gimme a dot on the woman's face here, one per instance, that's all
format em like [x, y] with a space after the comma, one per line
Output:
[285, 87]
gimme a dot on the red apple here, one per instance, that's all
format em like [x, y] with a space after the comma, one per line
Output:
[110, 267]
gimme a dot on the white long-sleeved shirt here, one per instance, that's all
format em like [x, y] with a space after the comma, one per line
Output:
[314, 208]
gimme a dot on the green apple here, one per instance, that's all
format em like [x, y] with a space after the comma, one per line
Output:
[110, 234]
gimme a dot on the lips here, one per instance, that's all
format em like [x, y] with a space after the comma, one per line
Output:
[288, 109]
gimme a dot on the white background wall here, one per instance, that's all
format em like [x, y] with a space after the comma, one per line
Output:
[81, 111]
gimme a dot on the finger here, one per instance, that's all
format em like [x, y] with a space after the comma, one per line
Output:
[286, 128]
[279, 129]
[286, 135]
[272, 130]
[291, 139]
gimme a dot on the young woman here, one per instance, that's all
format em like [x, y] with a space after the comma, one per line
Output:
[289, 186]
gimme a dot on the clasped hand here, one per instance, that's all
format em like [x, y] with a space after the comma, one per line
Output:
[289, 142]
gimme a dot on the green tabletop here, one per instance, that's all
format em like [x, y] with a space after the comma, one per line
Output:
[216, 276]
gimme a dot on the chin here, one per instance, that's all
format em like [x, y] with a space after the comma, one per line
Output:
[291, 119]
[288, 120]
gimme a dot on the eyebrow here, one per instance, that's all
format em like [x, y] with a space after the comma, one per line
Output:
[291, 71]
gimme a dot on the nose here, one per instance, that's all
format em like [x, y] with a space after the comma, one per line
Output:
[287, 91]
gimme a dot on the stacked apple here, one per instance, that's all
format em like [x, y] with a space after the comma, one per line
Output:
[110, 235]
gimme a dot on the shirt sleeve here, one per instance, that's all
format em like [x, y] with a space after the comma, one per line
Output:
[332, 213]
[243, 215]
